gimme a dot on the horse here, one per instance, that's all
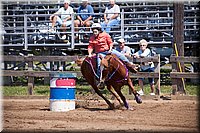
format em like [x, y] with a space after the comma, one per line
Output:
[114, 75]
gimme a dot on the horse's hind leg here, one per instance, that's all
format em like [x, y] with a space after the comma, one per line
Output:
[111, 89]
[137, 97]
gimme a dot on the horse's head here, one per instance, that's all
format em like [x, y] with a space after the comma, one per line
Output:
[79, 62]
[105, 62]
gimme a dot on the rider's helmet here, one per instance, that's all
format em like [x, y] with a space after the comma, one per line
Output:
[96, 26]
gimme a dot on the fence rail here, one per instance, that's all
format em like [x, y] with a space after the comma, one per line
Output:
[30, 73]
[178, 74]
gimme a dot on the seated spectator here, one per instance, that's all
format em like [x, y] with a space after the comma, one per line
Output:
[111, 16]
[123, 49]
[85, 15]
[64, 20]
[145, 67]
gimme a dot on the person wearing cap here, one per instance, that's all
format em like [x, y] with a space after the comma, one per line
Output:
[101, 44]
[145, 67]
[122, 48]
[111, 16]
[65, 19]
[84, 15]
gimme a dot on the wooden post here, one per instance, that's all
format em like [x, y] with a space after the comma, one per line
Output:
[157, 69]
[178, 31]
[46, 79]
[30, 78]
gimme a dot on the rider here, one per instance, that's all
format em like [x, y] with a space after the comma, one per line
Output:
[101, 43]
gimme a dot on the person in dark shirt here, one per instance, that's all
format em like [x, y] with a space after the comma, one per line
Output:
[84, 15]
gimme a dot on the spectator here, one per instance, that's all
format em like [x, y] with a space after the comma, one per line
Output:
[111, 16]
[65, 19]
[145, 67]
[101, 43]
[123, 49]
[85, 15]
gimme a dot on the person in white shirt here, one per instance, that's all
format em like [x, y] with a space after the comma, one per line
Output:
[65, 19]
[145, 67]
[111, 16]
[123, 49]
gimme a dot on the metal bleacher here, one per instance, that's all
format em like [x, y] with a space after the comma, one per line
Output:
[24, 24]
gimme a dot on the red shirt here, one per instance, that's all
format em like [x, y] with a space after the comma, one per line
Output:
[101, 43]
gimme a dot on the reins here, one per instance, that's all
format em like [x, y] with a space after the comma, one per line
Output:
[90, 62]
[111, 75]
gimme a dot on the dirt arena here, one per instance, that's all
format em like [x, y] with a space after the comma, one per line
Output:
[33, 115]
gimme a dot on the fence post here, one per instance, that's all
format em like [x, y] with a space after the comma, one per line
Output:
[157, 69]
[30, 78]
[178, 31]
[25, 33]
[174, 81]
[72, 32]
[122, 23]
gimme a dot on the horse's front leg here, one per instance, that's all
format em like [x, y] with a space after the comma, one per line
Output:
[111, 105]
[137, 96]
[111, 89]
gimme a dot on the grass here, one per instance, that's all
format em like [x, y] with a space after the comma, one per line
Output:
[44, 90]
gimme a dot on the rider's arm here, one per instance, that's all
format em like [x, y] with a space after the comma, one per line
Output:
[90, 47]
[90, 50]
[109, 41]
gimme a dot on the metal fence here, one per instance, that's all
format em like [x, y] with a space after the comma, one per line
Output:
[152, 22]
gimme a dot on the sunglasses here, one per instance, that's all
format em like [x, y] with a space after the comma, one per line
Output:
[143, 45]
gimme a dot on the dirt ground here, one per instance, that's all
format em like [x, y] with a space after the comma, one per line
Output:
[33, 115]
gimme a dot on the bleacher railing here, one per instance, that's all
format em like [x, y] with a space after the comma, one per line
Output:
[29, 30]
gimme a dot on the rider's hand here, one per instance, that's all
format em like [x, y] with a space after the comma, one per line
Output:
[110, 51]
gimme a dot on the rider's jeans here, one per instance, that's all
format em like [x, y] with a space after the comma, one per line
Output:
[103, 54]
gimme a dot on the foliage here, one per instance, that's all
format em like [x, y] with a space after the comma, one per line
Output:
[85, 89]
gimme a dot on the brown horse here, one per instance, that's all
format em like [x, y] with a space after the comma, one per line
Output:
[114, 75]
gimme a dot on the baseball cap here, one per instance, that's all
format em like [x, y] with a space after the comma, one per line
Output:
[121, 40]
[66, 1]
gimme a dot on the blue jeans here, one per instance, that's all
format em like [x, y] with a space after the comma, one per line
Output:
[103, 54]
[107, 27]
[151, 69]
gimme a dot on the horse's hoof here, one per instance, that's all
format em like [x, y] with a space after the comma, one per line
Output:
[112, 106]
[138, 99]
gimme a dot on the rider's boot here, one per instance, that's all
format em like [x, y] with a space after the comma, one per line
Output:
[132, 67]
